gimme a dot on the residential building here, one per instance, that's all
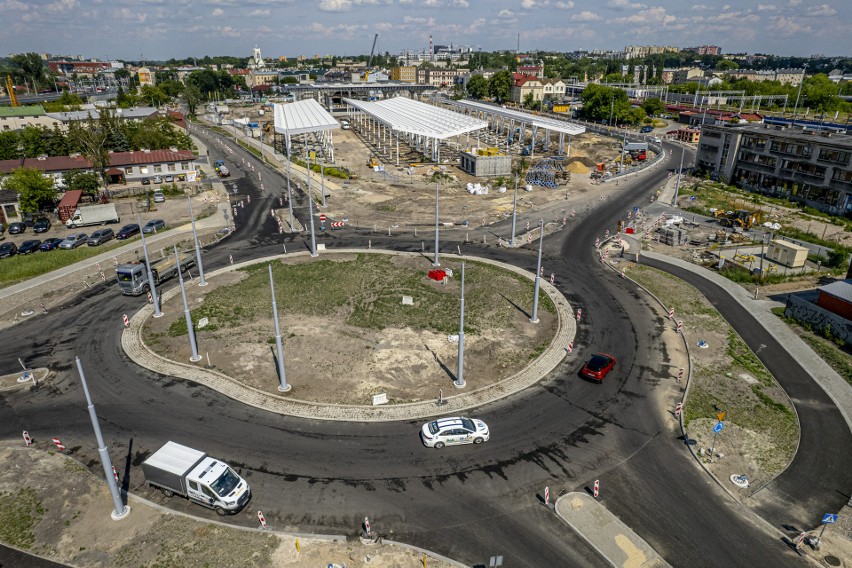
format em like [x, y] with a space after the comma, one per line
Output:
[407, 74]
[533, 70]
[80, 68]
[689, 75]
[123, 166]
[130, 114]
[810, 166]
[146, 76]
[16, 118]
[705, 50]
[439, 77]
[258, 76]
[540, 88]
[786, 76]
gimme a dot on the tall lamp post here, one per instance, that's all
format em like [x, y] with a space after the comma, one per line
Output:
[534, 318]
[459, 382]
[437, 262]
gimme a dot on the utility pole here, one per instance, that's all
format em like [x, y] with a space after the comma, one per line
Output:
[677, 182]
[202, 281]
[534, 318]
[152, 286]
[515, 210]
[459, 382]
[282, 376]
[437, 262]
[190, 329]
[120, 510]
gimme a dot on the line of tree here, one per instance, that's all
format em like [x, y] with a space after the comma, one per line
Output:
[107, 133]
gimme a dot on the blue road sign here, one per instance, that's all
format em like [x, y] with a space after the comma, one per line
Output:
[718, 427]
[829, 519]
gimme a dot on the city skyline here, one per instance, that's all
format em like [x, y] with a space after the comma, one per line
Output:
[160, 30]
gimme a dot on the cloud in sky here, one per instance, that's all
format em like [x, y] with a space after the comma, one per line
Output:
[181, 28]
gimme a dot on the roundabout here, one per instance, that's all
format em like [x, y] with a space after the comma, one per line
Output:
[406, 353]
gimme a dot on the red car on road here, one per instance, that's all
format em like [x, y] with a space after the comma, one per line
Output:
[598, 367]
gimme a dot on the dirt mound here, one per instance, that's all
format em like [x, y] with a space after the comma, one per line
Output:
[580, 165]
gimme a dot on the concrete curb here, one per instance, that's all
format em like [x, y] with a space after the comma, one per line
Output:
[139, 353]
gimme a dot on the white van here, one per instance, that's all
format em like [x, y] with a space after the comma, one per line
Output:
[344, 124]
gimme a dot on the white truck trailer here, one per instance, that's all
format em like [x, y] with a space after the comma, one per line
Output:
[93, 215]
[133, 278]
[180, 470]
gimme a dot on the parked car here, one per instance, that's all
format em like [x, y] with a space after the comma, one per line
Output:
[158, 179]
[153, 226]
[50, 244]
[159, 197]
[169, 179]
[127, 231]
[29, 247]
[598, 367]
[8, 249]
[453, 431]
[2, 228]
[74, 240]
[100, 236]
[17, 228]
[646, 129]
[146, 181]
[41, 225]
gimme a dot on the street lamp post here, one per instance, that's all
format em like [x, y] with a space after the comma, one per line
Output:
[534, 318]
[515, 210]
[202, 281]
[437, 262]
[459, 382]
[152, 286]
[282, 376]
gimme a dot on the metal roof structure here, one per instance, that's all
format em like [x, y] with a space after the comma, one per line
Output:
[546, 123]
[420, 119]
[302, 117]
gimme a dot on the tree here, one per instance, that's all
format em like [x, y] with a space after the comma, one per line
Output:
[92, 136]
[9, 145]
[35, 190]
[500, 86]
[86, 181]
[192, 98]
[653, 106]
[602, 103]
[477, 87]
[529, 101]
[28, 67]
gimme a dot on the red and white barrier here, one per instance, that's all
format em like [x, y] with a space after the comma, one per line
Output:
[671, 313]
[150, 298]
[115, 474]
[261, 518]
[541, 271]
[597, 488]
[680, 327]
[59, 445]
[547, 495]
[27, 440]
[367, 525]
[573, 213]
[529, 238]
[597, 242]
[680, 374]
[126, 320]
[570, 347]
[606, 234]
[579, 314]
[678, 408]
[103, 277]
[552, 278]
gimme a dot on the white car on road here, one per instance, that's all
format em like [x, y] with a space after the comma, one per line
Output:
[454, 431]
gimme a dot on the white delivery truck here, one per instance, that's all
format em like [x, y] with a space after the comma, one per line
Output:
[179, 470]
[133, 278]
[93, 215]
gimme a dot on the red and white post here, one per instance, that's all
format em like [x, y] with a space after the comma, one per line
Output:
[680, 326]
[570, 347]
[547, 496]
[678, 409]
[262, 519]
[126, 320]
[680, 374]
[27, 440]
[367, 526]
[115, 474]
[579, 314]
[59, 445]
[597, 488]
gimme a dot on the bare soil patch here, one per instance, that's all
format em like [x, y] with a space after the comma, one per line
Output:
[346, 334]
[54, 507]
[761, 431]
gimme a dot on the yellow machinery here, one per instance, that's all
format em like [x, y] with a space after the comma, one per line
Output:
[741, 219]
[10, 88]
[372, 162]
[370, 61]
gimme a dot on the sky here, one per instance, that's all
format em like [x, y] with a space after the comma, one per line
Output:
[162, 29]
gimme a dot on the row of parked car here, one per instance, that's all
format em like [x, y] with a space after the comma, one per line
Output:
[75, 240]
[161, 179]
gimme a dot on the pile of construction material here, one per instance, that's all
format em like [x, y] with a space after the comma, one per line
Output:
[672, 236]
[477, 189]
[547, 173]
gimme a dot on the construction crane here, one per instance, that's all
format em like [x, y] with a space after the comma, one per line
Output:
[10, 88]
[370, 61]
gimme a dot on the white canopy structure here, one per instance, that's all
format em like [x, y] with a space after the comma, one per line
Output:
[504, 119]
[424, 126]
[305, 117]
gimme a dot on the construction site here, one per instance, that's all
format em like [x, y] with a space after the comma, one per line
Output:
[376, 175]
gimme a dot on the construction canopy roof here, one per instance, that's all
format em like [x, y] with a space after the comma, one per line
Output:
[414, 117]
[301, 117]
[524, 117]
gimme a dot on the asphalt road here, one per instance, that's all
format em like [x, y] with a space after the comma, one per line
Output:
[467, 503]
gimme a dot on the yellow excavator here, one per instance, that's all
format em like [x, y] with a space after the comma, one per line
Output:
[10, 88]
[741, 219]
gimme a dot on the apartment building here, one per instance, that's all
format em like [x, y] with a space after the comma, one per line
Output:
[16, 118]
[439, 77]
[805, 165]
[407, 74]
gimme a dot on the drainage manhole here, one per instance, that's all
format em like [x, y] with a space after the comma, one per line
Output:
[832, 560]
